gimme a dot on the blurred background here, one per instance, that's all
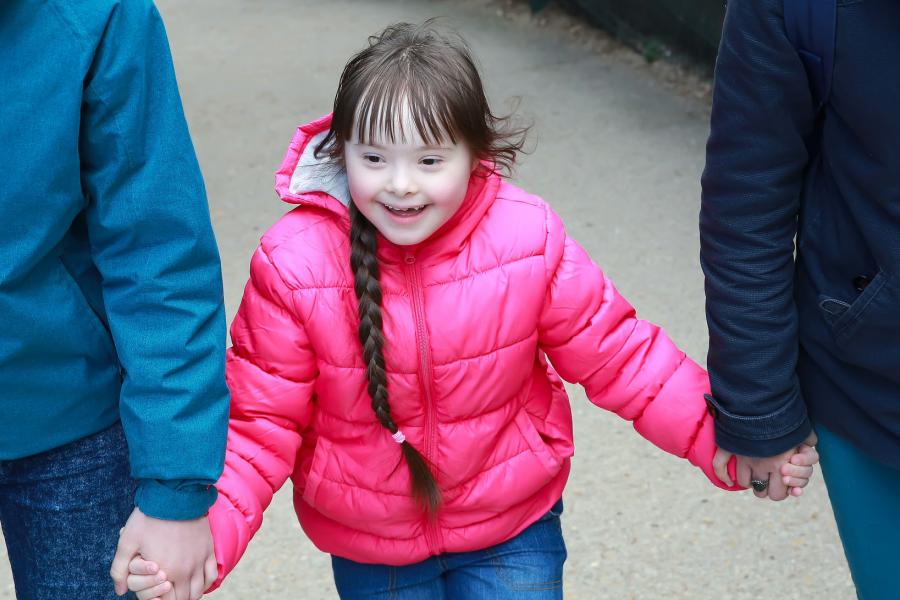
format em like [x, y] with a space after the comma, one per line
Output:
[619, 96]
[654, 27]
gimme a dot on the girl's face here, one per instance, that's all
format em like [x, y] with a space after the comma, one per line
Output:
[407, 189]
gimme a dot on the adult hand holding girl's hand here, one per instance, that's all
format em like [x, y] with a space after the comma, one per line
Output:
[186, 550]
[787, 473]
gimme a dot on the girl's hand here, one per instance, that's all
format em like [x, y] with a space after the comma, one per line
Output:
[146, 580]
[796, 473]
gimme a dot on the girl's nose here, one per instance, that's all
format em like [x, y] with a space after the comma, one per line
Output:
[401, 184]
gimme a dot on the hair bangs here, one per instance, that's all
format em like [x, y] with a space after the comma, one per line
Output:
[392, 103]
[417, 76]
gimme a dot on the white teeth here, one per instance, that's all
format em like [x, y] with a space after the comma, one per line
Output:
[411, 209]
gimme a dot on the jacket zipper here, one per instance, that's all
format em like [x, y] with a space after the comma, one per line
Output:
[415, 291]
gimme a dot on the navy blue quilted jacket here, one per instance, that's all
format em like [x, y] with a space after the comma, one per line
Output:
[816, 338]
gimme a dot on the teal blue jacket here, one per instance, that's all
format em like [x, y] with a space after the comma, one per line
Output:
[111, 302]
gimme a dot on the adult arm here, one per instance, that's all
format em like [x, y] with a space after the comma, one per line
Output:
[755, 163]
[152, 241]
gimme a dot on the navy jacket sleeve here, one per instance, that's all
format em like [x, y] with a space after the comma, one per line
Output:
[755, 163]
[152, 240]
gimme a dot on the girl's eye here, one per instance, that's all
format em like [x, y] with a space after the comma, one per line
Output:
[431, 161]
[373, 159]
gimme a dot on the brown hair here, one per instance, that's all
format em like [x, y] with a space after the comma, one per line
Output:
[434, 75]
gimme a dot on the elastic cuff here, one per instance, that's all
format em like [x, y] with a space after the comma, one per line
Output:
[763, 448]
[174, 501]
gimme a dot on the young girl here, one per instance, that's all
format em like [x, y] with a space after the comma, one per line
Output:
[391, 350]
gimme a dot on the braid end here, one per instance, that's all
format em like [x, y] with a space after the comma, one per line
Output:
[424, 486]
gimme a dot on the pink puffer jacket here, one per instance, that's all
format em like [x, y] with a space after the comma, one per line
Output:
[469, 317]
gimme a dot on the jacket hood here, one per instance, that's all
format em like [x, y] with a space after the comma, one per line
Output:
[307, 180]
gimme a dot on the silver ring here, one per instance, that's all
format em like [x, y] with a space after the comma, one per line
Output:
[759, 485]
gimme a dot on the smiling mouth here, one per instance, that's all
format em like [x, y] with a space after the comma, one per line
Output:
[406, 212]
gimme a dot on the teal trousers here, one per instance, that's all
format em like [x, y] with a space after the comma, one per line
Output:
[865, 497]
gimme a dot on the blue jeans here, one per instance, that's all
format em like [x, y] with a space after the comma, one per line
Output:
[527, 567]
[865, 498]
[61, 512]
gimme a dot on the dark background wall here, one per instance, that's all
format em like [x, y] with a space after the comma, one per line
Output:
[690, 26]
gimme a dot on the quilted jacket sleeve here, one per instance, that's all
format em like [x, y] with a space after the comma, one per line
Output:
[271, 371]
[591, 335]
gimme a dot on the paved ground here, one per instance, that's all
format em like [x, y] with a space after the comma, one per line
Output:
[618, 154]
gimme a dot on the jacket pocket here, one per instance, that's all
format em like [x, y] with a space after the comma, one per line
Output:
[833, 309]
[541, 450]
[523, 464]
[866, 331]
[365, 488]
[89, 319]
[316, 469]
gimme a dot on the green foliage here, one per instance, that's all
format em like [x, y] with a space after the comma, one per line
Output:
[653, 50]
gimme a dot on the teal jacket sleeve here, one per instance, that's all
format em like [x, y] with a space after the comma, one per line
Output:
[152, 240]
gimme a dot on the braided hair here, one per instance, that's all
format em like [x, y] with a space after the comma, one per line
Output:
[364, 262]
